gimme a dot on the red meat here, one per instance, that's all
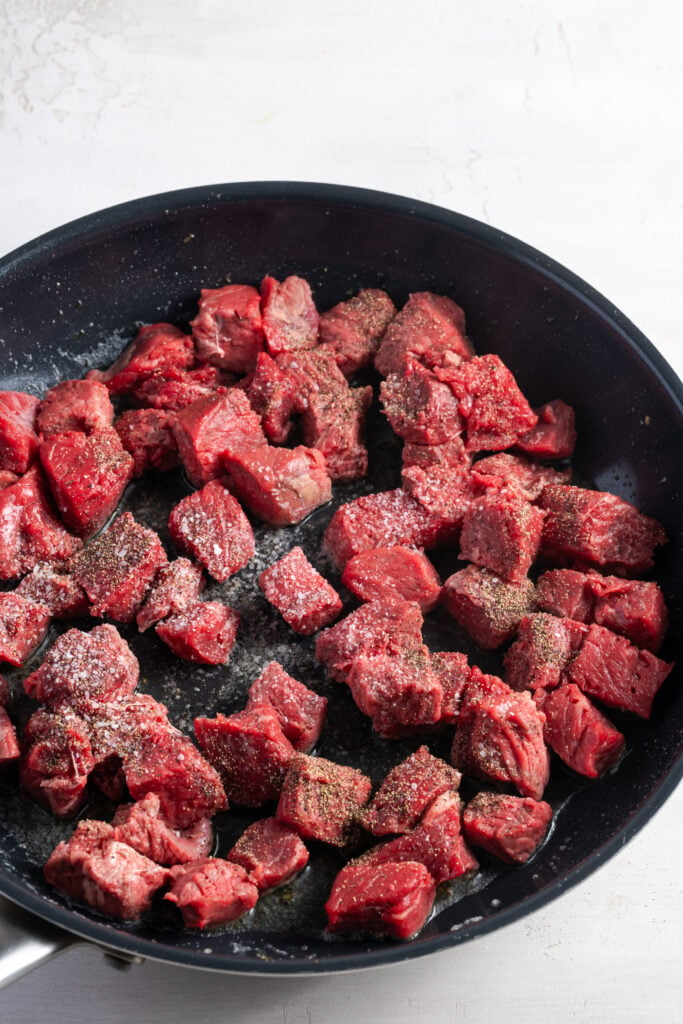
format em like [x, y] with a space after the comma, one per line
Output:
[379, 627]
[430, 329]
[290, 319]
[120, 729]
[271, 853]
[156, 347]
[578, 732]
[82, 405]
[301, 712]
[23, 625]
[29, 528]
[544, 647]
[171, 389]
[450, 454]
[566, 593]
[147, 435]
[335, 426]
[453, 672]
[18, 439]
[279, 485]
[304, 598]
[227, 330]
[394, 899]
[353, 329]
[322, 800]
[401, 693]
[55, 587]
[509, 827]
[7, 478]
[208, 428]
[554, 436]
[211, 892]
[445, 492]
[407, 791]
[9, 747]
[528, 479]
[211, 527]
[274, 396]
[56, 760]
[420, 408]
[486, 606]
[393, 572]
[502, 532]
[204, 633]
[142, 826]
[314, 372]
[175, 588]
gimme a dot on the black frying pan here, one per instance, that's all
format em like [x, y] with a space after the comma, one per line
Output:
[72, 299]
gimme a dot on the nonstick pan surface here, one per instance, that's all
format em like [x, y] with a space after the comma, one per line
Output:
[73, 298]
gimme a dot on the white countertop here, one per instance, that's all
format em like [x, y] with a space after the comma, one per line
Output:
[558, 123]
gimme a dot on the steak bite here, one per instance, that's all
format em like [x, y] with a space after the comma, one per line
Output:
[335, 426]
[204, 633]
[514, 472]
[445, 492]
[176, 586]
[430, 329]
[393, 899]
[87, 474]
[210, 892]
[82, 405]
[273, 394]
[271, 853]
[322, 800]
[142, 826]
[9, 746]
[172, 388]
[453, 672]
[352, 330]
[209, 427]
[279, 485]
[554, 436]
[567, 593]
[156, 347]
[450, 454]
[486, 606]
[502, 532]
[379, 627]
[393, 572]
[600, 529]
[227, 330]
[56, 759]
[544, 648]
[401, 693]
[54, 587]
[18, 438]
[420, 408]
[578, 733]
[289, 316]
[509, 827]
[304, 598]
[23, 625]
[117, 568]
[301, 712]
[30, 530]
[407, 791]
[147, 435]
[249, 750]
[211, 527]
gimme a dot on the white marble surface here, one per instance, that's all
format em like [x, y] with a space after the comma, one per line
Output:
[557, 122]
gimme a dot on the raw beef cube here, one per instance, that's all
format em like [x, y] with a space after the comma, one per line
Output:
[227, 330]
[9, 747]
[290, 319]
[87, 474]
[271, 853]
[450, 454]
[567, 594]
[599, 528]
[502, 532]
[578, 732]
[610, 668]
[211, 892]
[407, 791]
[81, 669]
[430, 329]
[82, 405]
[499, 737]
[393, 572]
[322, 800]
[304, 598]
[435, 842]
[486, 606]
[23, 625]
[30, 530]
[155, 347]
[379, 627]
[528, 479]
[64, 869]
[384, 519]
[544, 647]
[336, 428]
[453, 672]
[206, 429]
[279, 485]
[496, 412]
[142, 826]
[313, 372]
[634, 608]
[273, 395]
[56, 760]
[120, 729]
[55, 587]
[445, 492]
[172, 388]
[401, 693]
[204, 633]
[554, 436]
[117, 568]
[353, 329]
[509, 827]
[249, 750]
[18, 439]
[393, 899]
[175, 588]
[147, 435]
[211, 527]
[301, 711]
[420, 408]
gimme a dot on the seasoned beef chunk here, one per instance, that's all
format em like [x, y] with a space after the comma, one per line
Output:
[274, 396]
[420, 408]
[554, 436]
[174, 589]
[117, 568]
[227, 330]
[393, 572]
[304, 598]
[578, 732]
[290, 319]
[56, 760]
[379, 627]
[430, 329]
[453, 672]
[18, 438]
[335, 426]
[147, 435]
[567, 593]
[271, 853]
[544, 647]
[353, 329]
[279, 485]
[407, 791]
[401, 693]
[142, 826]
[204, 633]
[82, 405]
[23, 625]
[600, 529]
[486, 606]
[450, 455]
[392, 899]
[211, 527]
[514, 472]
[55, 587]
[509, 827]
[300, 711]
[30, 530]
[9, 746]
[87, 474]
[81, 669]
[172, 388]
[322, 800]
[206, 429]
[156, 347]
[249, 750]
[210, 892]
[502, 532]
[445, 492]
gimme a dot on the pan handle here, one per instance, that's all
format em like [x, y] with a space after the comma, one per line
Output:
[26, 941]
